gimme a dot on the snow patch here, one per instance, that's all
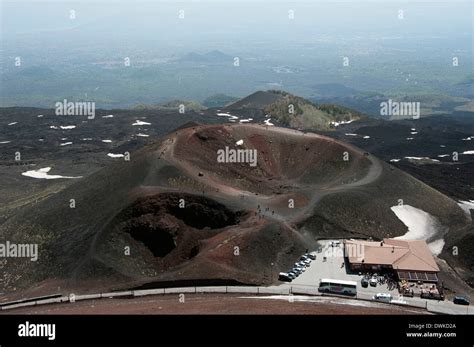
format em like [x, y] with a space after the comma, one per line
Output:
[240, 143]
[13, 123]
[107, 141]
[466, 207]
[142, 135]
[231, 117]
[436, 246]
[139, 122]
[112, 155]
[65, 144]
[421, 225]
[43, 173]
[268, 122]
[336, 124]
[421, 158]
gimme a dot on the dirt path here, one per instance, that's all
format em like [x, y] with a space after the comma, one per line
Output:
[374, 172]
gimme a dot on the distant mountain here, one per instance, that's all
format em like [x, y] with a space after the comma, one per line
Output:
[258, 100]
[294, 111]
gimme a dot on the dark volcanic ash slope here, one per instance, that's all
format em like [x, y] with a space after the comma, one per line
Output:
[174, 214]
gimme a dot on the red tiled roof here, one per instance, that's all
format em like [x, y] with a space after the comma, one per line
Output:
[413, 255]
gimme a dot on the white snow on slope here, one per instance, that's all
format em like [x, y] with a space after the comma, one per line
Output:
[421, 158]
[468, 152]
[227, 115]
[467, 206]
[336, 124]
[240, 142]
[421, 226]
[268, 122]
[43, 173]
[142, 135]
[112, 155]
[436, 246]
[139, 122]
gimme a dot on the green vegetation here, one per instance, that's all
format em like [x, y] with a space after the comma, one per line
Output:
[294, 111]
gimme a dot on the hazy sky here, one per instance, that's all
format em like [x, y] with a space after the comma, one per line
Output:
[212, 18]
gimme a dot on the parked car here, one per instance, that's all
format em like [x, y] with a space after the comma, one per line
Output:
[307, 262]
[283, 276]
[364, 282]
[312, 255]
[461, 300]
[386, 297]
[433, 296]
[373, 282]
[292, 275]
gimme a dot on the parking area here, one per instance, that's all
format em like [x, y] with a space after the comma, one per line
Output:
[329, 263]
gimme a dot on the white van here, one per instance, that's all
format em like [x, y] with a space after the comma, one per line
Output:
[385, 297]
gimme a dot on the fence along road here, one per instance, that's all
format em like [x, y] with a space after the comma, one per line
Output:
[442, 307]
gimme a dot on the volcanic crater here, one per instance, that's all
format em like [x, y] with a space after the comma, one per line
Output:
[183, 216]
